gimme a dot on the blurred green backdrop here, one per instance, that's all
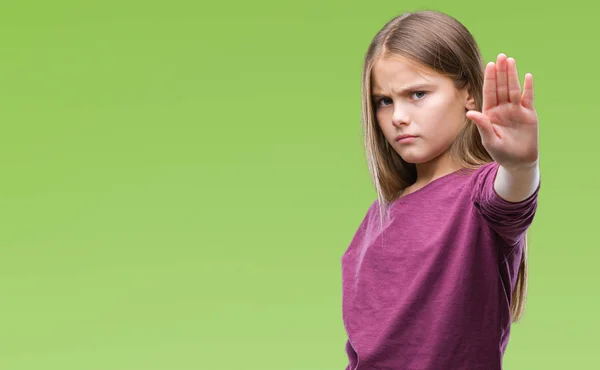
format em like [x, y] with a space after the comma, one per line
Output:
[180, 180]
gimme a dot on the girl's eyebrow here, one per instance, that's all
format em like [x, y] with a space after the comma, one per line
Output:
[421, 86]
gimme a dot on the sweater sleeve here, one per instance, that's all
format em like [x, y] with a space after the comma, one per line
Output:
[510, 220]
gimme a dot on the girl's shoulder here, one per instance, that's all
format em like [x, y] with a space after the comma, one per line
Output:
[475, 175]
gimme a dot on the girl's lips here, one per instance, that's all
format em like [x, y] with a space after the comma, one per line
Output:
[405, 138]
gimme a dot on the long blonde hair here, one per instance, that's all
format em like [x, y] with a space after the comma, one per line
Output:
[440, 42]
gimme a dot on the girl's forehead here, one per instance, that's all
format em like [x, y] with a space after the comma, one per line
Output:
[402, 67]
[388, 72]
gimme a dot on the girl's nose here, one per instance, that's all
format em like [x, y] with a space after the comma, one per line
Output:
[400, 118]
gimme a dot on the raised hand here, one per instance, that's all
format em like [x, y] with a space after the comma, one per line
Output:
[508, 123]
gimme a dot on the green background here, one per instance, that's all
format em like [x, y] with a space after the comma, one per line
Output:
[180, 180]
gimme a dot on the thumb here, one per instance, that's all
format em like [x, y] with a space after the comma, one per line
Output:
[484, 125]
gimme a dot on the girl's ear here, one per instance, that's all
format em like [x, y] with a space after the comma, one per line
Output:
[470, 101]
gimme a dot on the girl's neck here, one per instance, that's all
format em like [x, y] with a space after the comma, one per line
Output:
[431, 171]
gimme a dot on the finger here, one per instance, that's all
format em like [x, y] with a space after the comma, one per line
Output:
[501, 79]
[490, 99]
[484, 125]
[527, 99]
[514, 87]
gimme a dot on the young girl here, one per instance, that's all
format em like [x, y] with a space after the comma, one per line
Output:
[436, 272]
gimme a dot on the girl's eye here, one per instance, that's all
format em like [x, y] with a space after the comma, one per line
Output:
[417, 95]
[383, 101]
[420, 94]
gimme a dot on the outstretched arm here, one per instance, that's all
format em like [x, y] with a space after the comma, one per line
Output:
[508, 125]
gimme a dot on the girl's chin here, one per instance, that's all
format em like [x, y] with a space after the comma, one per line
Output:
[412, 156]
[416, 159]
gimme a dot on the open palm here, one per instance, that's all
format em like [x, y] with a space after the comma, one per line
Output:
[508, 123]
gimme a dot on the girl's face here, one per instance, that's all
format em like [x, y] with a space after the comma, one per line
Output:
[417, 102]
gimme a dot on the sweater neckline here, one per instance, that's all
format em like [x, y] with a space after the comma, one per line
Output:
[427, 187]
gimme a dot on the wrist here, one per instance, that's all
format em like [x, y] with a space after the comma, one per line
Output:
[517, 183]
[521, 167]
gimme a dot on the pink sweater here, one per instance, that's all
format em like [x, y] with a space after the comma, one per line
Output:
[431, 289]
